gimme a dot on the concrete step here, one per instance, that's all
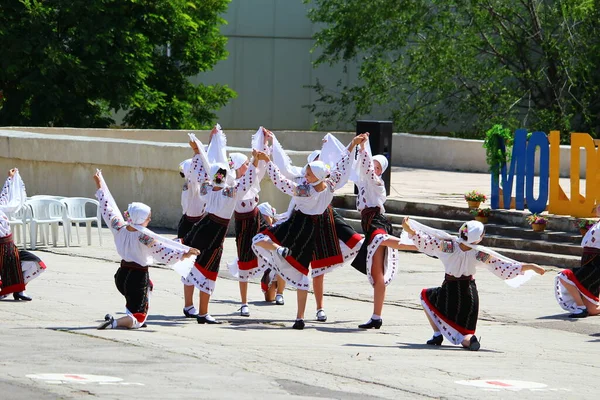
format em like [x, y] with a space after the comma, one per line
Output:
[514, 218]
[522, 245]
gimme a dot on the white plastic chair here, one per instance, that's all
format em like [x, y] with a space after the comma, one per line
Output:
[19, 219]
[75, 213]
[46, 213]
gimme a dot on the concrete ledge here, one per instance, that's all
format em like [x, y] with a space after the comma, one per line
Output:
[417, 151]
[134, 170]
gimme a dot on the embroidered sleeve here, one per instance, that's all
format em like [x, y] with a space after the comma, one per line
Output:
[245, 182]
[505, 269]
[4, 193]
[281, 182]
[592, 237]
[430, 245]
[161, 253]
[199, 170]
[113, 220]
[367, 168]
[340, 172]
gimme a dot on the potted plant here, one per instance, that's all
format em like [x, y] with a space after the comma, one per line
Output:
[481, 214]
[475, 198]
[538, 223]
[584, 224]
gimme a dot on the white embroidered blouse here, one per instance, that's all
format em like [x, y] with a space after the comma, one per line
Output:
[306, 199]
[134, 246]
[592, 237]
[193, 204]
[4, 225]
[222, 202]
[371, 189]
[463, 263]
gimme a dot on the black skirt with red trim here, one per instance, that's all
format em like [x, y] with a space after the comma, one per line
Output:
[298, 234]
[247, 225]
[11, 271]
[456, 302]
[208, 235]
[588, 274]
[373, 222]
[186, 223]
[133, 282]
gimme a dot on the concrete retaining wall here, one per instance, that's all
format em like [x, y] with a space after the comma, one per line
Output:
[416, 151]
[134, 170]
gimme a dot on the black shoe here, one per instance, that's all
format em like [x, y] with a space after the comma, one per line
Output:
[203, 320]
[474, 344]
[299, 324]
[108, 321]
[373, 323]
[582, 314]
[188, 315]
[436, 340]
[19, 296]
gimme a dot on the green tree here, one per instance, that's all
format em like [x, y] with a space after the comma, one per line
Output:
[69, 63]
[466, 64]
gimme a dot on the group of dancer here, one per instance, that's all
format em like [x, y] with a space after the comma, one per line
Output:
[310, 237]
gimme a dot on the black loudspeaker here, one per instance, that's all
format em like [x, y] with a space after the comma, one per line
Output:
[380, 139]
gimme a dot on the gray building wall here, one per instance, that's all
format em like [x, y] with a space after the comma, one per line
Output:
[269, 65]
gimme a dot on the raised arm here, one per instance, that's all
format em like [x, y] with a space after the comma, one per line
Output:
[9, 181]
[425, 243]
[282, 183]
[245, 182]
[110, 212]
[165, 254]
[367, 168]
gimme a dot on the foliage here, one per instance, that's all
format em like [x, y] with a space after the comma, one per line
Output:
[69, 63]
[427, 64]
[475, 195]
[480, 212]
[585, 223]
[495, 156]
[536, 219]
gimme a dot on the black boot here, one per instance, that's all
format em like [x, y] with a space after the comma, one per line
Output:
[299, 324]
[21, 296]
[373, 323]
[584, 313]
[474, 344]
[204, 320]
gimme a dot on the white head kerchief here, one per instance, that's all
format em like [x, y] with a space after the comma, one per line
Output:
[471, 232]
[236, 160]
[214, 170]
[16, 195]
[383, 161]
[136, 213]
[319, 170]
[313, 156]
[185, 167]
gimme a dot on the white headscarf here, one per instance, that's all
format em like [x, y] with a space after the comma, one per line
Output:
[472, 230]
[319, 169]
[185, 167]
[236, 160]
[266, 209]
[313, 156]
[383, 161]
[214, 168]
[136, 213]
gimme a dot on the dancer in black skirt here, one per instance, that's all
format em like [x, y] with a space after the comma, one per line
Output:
[289, 246]
[453, 308]
[577, 290]
[378, 255]
[222, 194]
[138, 247]
[17, 267]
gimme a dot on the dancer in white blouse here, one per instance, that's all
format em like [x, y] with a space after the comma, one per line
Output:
[378, 255]
[193, 206]
[17, 267]
[289, 247]
[271, 283]
[577, 290]
[453, 308]
[336, 242]
[222, 193]
[138, 247]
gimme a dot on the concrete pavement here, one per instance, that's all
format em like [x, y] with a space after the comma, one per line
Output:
[525, 338]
